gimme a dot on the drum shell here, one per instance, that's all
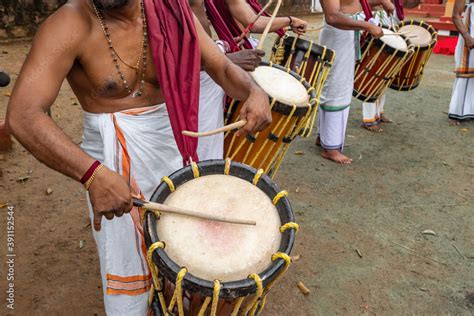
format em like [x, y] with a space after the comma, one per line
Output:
[298, 54]
[196, 289]
[411, 73]
[264, 153]
[372, 77]
[261, 152]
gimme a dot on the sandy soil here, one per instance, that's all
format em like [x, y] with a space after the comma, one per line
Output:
[361, 243]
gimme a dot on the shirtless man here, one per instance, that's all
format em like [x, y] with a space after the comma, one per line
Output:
[338, 34]
[127, 128]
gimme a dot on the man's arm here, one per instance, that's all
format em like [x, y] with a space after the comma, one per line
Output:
[237, 83]
[244, 14]
[458, 11]
[387, 5]
[54, 50]
[335, 17]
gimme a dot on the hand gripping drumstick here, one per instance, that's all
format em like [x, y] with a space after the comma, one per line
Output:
[179, 211]
[236, 125]
[267, 28]
[247, 30]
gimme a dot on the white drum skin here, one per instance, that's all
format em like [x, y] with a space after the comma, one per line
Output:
[281, 86]
[220, 251]
[395, 41]
[421, 36]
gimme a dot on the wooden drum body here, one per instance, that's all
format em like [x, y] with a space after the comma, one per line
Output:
[201, 267]
[381, 60]
[309, 60]
[423, 37]
[266, 149]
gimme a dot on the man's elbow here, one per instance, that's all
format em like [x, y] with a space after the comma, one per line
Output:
[15, 120]
[332, 20]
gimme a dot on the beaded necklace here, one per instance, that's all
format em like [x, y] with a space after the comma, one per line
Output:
[116, 57]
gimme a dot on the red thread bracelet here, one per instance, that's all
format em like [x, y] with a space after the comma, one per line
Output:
[90, 172]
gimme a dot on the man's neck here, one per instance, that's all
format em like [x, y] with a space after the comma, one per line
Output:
[128, 13]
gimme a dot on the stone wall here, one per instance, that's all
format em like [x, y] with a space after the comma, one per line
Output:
[21, 18]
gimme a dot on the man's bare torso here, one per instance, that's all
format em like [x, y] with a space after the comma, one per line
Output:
[350, 6]
[94, 77]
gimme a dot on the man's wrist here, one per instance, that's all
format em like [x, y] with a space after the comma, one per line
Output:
[290, 21]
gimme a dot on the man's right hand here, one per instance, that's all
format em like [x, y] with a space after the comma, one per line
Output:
[469, 42]
[110, 196]
[375, 30]
[247, 59]
[256, 111]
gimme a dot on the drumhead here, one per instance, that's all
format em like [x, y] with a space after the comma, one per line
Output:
[395, 41]
[281, 86]
[423, 36]
[220, 251]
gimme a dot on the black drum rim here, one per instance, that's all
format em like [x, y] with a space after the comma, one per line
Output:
[286, 109]
[229, 290]
[303, 45]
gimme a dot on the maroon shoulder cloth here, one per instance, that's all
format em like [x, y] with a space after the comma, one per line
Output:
[399, 8]
[367, 9]
[177, 57]
[220, 16]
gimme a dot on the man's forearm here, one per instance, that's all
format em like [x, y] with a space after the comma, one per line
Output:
[277, 24]
[343, 22]
[39, 134]
[459, 24]
[236, 82]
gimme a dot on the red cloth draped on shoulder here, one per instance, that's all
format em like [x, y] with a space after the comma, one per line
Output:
[177, 57]
[399, 8]
[257, 7]
[228, 19]
[367, 9]
[221, 27]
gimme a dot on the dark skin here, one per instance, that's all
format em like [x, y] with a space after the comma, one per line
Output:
[71, 45]
[247, 59]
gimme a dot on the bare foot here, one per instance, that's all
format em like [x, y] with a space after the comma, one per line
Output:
[454, 122]
[336, 156]
[385, 119]
[373, 128]
[318, 141]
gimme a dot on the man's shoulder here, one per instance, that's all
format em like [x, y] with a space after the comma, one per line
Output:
[74, 16]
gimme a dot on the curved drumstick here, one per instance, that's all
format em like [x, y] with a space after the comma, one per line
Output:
[236, 125]
[179, 211]
[267, 28]
[247, 29]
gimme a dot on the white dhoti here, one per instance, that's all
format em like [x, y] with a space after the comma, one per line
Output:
[336, 96]
[138, 144]
[462, 100]
[211, 116]
[373, 111]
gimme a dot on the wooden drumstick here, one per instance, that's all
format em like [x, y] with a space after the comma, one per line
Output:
[267, 28]
[236, 125]
[249, 27]
[179, 211]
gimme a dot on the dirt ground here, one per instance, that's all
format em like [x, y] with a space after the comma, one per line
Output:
[362, 247]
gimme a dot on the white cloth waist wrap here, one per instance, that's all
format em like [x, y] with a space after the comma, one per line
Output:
[139, 144]
[337, 91]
